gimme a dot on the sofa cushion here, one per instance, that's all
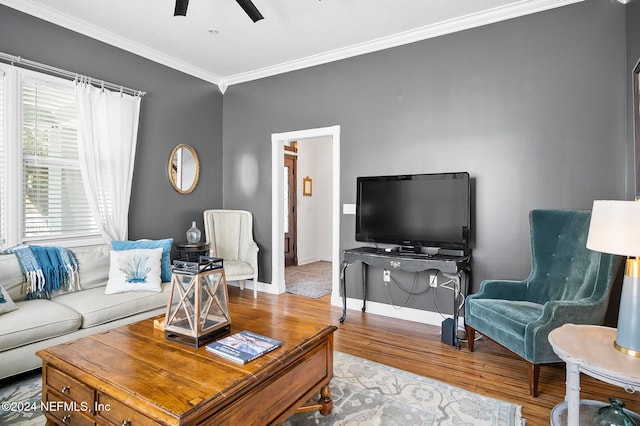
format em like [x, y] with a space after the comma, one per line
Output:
[134, 270]
[98, 308]
[93, 265]
[165, 245]
[36, 320]
[6, 304]
[510, 316]
[93, 270]
[11, 276]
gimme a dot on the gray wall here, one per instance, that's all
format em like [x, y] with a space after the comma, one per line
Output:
[633, 57]
[533, 108]
[177, 109]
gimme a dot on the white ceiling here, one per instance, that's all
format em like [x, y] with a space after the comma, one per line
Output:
[217, 41]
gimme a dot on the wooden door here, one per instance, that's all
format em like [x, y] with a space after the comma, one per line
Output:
[290, 222]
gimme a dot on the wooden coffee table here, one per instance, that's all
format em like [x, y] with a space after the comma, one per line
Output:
[133, 375]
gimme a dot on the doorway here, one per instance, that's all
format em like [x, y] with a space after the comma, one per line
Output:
[279, 140]
[290, 205]
[308, 216]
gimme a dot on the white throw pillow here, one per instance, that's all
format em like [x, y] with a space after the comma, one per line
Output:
[6, 304]
[134, 270]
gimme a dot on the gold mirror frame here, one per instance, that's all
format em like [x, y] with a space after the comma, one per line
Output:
[184, 168]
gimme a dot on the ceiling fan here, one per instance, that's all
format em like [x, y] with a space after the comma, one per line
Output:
[246, 5]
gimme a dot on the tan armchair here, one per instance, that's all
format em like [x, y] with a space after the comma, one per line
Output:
[229, 234]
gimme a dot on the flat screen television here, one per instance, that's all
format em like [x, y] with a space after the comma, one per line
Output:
[421, 210]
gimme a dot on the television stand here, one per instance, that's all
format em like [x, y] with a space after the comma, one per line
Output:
[456, 268]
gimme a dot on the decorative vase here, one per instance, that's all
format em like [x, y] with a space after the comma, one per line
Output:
[193, 234]
[613, 415]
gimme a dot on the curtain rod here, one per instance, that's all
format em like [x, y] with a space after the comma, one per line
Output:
[17, 60]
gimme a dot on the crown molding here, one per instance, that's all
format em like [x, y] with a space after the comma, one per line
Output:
[514, 10]
[490, 16]
[84, 28]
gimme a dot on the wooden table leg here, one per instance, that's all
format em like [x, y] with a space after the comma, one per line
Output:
[325, 400]
[324, 405]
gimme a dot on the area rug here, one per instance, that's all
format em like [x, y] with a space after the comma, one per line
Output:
[312, 290]
[20, 401]
[363, 393]
[368, 393]
[309, 280]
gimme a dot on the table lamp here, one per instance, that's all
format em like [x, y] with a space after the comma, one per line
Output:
[615, 229]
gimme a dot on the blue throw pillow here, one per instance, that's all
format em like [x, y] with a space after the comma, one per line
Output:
[165, 245]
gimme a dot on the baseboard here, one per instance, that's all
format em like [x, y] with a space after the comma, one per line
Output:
[307, 260]
[262, 287]
[408, 314]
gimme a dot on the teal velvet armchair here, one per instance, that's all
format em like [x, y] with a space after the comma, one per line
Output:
[568, 284]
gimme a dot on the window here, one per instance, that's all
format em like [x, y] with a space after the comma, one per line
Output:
[48, 202]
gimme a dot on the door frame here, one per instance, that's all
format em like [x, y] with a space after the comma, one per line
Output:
[278, 141]
[293, 199]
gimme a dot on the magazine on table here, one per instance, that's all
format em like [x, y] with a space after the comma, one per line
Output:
[243, 346]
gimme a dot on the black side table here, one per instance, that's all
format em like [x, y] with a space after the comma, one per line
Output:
[191, 252]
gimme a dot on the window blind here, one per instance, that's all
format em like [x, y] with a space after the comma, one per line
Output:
[54, 203]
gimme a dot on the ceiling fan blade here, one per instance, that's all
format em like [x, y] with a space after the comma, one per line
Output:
[181, 8]
[250, 9]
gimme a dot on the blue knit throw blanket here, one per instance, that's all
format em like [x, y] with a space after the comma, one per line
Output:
[47, 269]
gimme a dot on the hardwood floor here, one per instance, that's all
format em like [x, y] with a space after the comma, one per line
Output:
[490, 370]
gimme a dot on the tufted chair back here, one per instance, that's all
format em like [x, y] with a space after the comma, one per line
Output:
[562, 266]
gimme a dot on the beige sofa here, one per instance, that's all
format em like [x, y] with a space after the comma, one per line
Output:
[41, 323]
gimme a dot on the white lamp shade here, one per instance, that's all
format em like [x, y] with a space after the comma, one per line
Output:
[615, 227]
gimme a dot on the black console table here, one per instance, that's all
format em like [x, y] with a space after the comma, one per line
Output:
[454, 267]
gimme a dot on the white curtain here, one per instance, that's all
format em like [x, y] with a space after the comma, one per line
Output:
[107, 137]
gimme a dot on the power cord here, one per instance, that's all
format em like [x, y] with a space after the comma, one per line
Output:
[412, 292]
[447, 285]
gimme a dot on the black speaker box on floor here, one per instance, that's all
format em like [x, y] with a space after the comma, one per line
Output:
[448, 335]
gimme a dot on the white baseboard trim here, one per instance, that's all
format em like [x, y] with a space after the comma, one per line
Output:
[313, 259]
[262, 287]
[307, 260]
[408, 314]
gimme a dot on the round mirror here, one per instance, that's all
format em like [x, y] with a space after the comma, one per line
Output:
[184, 168]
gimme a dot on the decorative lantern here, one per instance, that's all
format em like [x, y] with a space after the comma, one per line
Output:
[202, 311]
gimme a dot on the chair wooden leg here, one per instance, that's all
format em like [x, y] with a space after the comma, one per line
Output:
[534, 375]
[471, 337]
